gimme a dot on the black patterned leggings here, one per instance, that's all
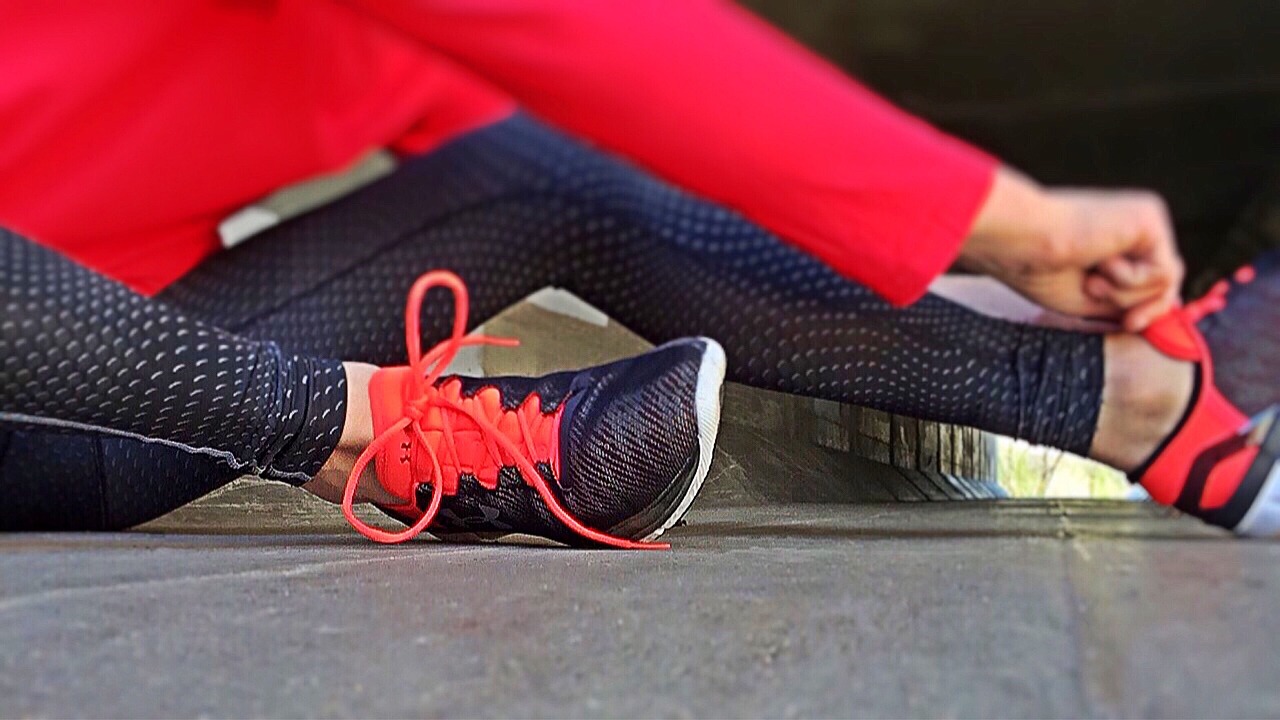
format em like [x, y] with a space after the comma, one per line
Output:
[115, 408]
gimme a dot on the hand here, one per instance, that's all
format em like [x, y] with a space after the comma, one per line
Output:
[1087, 253]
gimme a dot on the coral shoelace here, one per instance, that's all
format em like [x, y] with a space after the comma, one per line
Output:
[1175, 333]
[423, 396]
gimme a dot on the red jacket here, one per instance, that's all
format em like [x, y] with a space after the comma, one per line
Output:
[129, 129]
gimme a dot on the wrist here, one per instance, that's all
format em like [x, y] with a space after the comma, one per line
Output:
[1017, 224]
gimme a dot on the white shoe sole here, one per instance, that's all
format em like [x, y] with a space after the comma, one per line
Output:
[707, 398]
[1263, 517]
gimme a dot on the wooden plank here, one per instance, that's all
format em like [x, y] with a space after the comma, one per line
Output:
[903, 441]
[827, 418]
[874, 435]
[927, 451]
[946, 434]
[964, 452]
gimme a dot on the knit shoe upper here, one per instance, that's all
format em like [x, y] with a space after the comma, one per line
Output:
[608, 455]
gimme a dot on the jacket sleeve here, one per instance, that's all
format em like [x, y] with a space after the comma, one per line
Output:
[716, 101]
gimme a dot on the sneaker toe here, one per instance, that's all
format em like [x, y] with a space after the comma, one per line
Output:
[637, 439]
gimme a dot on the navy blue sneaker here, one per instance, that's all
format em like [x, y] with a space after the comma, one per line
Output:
[1245, 337]
[611, 455]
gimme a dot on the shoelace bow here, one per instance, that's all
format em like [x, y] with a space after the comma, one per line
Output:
[423, 395]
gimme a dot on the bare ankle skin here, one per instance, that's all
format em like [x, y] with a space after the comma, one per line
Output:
[1144, 395]
[357, 432]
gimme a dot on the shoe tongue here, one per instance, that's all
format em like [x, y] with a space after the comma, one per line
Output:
[465, 449]
[394, 463]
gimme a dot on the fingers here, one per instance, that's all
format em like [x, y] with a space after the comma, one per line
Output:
[1139, 304]
[1126, 273]
[1130, 282]
[1166, 276]
[1104, 289]
[1144, 280]
[1172, 298]
[1138, 318]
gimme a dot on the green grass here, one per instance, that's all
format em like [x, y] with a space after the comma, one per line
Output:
[1032, 471]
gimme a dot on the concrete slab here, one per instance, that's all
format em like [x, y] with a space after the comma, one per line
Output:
[966, 609]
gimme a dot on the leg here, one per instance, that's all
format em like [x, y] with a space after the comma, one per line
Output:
[101, 388]
[517, 207]
[116, 408]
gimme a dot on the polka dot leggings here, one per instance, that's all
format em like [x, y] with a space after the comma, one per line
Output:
[115, 408]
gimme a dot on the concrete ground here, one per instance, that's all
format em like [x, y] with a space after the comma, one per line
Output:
[252, 603]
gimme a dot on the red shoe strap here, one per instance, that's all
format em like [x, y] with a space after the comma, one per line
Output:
[1211, 420]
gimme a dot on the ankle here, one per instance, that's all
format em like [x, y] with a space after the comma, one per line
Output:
[1145, 395]
[357, 433]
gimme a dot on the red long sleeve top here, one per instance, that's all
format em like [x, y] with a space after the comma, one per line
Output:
[129, 129]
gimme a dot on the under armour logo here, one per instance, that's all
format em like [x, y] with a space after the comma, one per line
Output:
[404, 447]
[486, 520]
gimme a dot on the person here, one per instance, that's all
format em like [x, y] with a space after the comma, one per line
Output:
[682, 166]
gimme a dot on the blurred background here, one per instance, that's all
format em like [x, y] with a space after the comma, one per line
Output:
[1180, 96]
